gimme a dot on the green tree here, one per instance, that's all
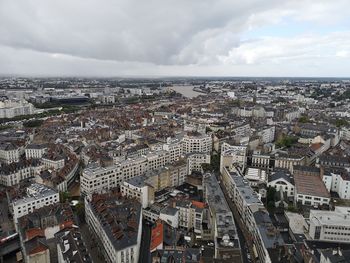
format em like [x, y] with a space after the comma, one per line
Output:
[80, 210]
[64, 197]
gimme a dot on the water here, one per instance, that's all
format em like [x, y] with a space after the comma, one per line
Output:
[186, 91]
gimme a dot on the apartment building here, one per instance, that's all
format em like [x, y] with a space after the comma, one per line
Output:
[338, 181]
[116, 222]
[35, 151]
[37, 196]
[233, 155]
[267, 134]
[9, 153]
[137, 188]
[195, 161]
[14, 173]
[220, 221]
[197, 143]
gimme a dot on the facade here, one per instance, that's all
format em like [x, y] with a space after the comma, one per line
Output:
[11, 109]
[137, 188]
[197, 143]
[35, 151]
[98, 179]
[117, 224]
[283, 181]
[232, 155]
[310, 190]
[9, 153]
[37, 196]
[267, 134]
[338, 181]
[195, 161]
[14, 173]
[331, 226]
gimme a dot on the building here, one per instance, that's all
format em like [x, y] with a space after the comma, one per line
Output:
[136, 187]
[9, 153]
[256, 176]
[232, 155]
[195, 162]
[36, 250]
[14, 173]
[11, 109]
[197, 143]
[283, 181]
[267, 134]
[71, 247]
[35, 151]
[116, 222]
[338, 181]
[37, 196]
[310, 190]
[332, 226]
[220, 220]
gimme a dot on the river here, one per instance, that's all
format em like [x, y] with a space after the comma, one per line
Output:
[186, 91]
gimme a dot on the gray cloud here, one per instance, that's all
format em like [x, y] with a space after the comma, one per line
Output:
[111, 37]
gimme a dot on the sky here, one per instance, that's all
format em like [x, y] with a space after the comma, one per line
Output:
[111, 38]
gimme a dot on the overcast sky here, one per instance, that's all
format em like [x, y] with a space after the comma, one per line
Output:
[175, 37]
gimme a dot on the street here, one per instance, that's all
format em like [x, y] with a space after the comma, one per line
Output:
[145, 244]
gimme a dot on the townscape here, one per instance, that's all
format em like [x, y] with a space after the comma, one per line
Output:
[174, 170]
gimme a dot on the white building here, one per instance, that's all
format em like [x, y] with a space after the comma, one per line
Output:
[197, 143]
[98, 179]
[38, 195]
[267, 134]
[338, 180]
[137, 188]
[10, 109]
[256, 176]
[170, 215]
[13, 174]
[332, 226]
[233, 155]
[195, 161]
[35, 151]
[310, 190]
[282, 180]
[9, 153]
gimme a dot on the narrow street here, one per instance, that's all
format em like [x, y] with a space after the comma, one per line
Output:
[145, 244]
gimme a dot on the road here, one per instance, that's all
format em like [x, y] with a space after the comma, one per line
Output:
[242, 231]
[145, 244]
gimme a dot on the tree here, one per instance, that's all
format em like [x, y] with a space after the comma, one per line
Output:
[286, 141]
[341, 122]
[304, 119]
[271, 197]
[80, 210]
[64, 197]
